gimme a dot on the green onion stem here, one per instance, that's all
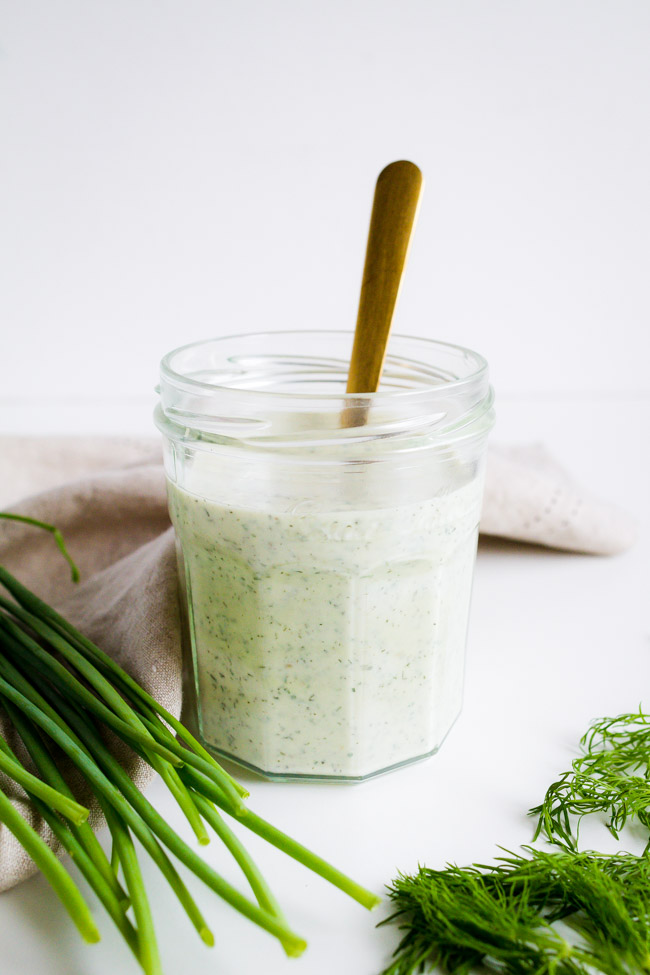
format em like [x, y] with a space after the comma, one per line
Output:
[22, 643]
[108, 692]
[158, 714]
[107, 792]
[58, 538]
[53, 670]
[173, 841]
[63, 679]
[103, 687]
[31, 783]
[39, 608]
[130, 804]
[15, 679]
[210, 769]
[249, 868]
[115, 860]
[182, 796]
[283, 842]
[47, 769]
[50, 866]
[104, 893]
[148, 946]
[169, 872]
[199, 782]
[305, 856]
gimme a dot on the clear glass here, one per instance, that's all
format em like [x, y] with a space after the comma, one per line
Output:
[326, 545]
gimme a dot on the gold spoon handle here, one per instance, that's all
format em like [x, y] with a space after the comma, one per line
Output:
[394, 210]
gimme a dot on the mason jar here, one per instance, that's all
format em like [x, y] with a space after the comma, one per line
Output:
[326, 545]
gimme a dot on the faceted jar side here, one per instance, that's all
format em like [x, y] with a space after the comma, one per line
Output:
[329, 644]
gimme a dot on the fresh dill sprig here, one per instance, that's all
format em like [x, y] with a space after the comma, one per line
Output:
[611, 776]
[500, 918]
[462, 918]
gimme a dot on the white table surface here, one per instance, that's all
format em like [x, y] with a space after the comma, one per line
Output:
[555, 641]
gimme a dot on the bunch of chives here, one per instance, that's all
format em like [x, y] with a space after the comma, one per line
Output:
[58, 689]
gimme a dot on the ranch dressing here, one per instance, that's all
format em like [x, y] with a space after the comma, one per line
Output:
[327, 643]
[325, 567]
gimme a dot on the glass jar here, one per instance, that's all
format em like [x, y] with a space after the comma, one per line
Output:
[326, 545]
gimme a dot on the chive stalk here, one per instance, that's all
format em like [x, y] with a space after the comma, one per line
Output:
[97, 680]
[86, 866]
[60, 702]
[249, 868]
[283, 842]
[46, 662]
[83, 843]
[33, 604]
[54, 531]
[147, 944]
[128, 793]
[51, 867]
[69, 742]
[31, 783]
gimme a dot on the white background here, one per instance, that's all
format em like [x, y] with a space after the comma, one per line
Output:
[175, 170]
[171, 171]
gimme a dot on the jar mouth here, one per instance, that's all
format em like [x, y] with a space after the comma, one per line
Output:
[289, 386]
[230, 364]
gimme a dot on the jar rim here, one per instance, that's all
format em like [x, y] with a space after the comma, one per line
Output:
[274, 388]
[179, 378]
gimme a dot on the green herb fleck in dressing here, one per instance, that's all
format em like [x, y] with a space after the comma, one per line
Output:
[328, 643]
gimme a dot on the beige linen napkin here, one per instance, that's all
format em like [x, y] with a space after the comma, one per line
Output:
[107, 496]
[116, 525]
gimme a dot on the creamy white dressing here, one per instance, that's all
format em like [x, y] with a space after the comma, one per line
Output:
[327, 643]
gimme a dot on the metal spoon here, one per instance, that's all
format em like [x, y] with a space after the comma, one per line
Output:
[394, 210]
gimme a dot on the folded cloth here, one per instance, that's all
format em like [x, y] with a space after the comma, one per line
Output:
[107, 496]
[529, 497]
[115, 524]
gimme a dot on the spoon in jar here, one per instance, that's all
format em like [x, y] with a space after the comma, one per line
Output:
[394, 211]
